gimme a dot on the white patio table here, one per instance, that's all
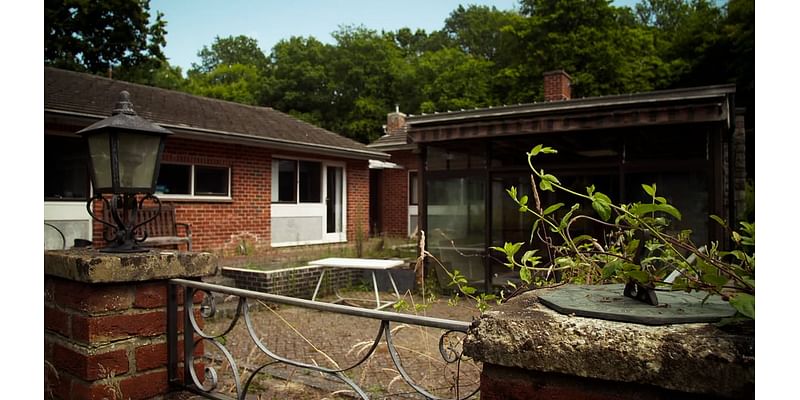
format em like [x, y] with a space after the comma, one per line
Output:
[360, 263]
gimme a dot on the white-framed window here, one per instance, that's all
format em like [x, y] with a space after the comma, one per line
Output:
[309, 201]
[413, 202]
[296, 181]
[190, 181]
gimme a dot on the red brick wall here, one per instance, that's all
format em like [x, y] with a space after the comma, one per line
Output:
[222, 226]
[357, 199]
[94, 332]
[557, 86]
[394, 196]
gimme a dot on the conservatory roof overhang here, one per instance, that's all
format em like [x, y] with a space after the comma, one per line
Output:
[678, 106]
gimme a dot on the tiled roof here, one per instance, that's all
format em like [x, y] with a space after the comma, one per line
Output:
[397, 141]
[95, 96]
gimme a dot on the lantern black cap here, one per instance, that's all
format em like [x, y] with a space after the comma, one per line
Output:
[123, 117]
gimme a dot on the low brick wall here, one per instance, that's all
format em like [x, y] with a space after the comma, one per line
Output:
[294, 282]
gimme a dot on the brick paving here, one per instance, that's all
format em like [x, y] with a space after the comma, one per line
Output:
[336, 341]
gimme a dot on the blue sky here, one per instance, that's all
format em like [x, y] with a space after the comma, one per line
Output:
[192, 24]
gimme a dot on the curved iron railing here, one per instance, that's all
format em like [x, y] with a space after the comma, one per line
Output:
[449, 347]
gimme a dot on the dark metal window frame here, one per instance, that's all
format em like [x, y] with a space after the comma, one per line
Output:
[193, 182]
[296, 181]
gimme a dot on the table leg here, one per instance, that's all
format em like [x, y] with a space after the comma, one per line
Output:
[321, 275]
[393, 284]
[375, 286]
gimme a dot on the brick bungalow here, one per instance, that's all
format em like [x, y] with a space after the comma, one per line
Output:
[690, 142]
[240, 175]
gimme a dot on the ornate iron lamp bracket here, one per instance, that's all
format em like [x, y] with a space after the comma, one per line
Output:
[123, 210]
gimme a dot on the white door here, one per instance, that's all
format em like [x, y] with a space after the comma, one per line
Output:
[335, 200]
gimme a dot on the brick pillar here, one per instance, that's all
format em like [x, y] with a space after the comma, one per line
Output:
[106, 321]
[557, 86]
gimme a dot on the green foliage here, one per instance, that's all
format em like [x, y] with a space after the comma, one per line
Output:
[482, 57]
[229, 51]
[641, 246]
[94, 36]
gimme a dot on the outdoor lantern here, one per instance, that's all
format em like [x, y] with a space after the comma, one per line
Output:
[124, 156]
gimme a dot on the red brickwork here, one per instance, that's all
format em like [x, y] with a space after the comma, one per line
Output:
[96, 332]
[357, 199]
[557, 86]
[503, 383]
[394, 195]
[223, 225]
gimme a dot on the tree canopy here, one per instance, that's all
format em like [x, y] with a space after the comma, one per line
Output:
[481, 57]
[94, 36]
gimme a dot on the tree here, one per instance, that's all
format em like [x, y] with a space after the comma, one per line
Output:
[363, 73]
[237, 82]
[452, 80]
[598, 44]
[231, 50]
[298, 82]
[94, 36]
[233, 69]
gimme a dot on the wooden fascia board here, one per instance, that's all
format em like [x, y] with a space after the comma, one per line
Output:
[571, 122]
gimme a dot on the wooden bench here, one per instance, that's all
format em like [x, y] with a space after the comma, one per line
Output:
[161, 231]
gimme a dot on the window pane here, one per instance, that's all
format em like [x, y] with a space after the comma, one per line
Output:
[286, 182]
[210, 181]
[66, 175]
[174, 179]
[413, 195]
[310, 181]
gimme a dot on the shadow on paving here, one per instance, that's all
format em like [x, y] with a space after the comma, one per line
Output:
[338, 341]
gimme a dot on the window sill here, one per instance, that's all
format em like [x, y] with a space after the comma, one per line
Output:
[196, 199]
[307, 243]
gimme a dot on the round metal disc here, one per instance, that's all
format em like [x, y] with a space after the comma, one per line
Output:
[607, 302]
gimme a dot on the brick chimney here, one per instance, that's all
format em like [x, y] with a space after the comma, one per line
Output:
[395, 123]
[557, 86]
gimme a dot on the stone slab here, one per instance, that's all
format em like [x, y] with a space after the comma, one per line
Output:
[607, 302]
[91, 266]
[698, 358]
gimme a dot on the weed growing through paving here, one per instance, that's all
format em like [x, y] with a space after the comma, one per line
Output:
[417, 346]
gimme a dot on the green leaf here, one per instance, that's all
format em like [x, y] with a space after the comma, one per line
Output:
[512, 192]
[467, 289]
[650, 190]
[551, 209]
[546, 186]
[567, 216]
[719, 220]
[525, 275]
[745, 304]
[582, 238]
[641, 276]
[590, 190]
[631, 247]
[611, 268]
[523, 200]
[714, 279]
[535, 151]
[601, 205]
[642, 209]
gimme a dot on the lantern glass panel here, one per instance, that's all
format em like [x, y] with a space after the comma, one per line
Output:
[100, 151]
[137, 159]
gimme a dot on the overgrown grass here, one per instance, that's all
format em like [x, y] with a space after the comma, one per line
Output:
[381, 248]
